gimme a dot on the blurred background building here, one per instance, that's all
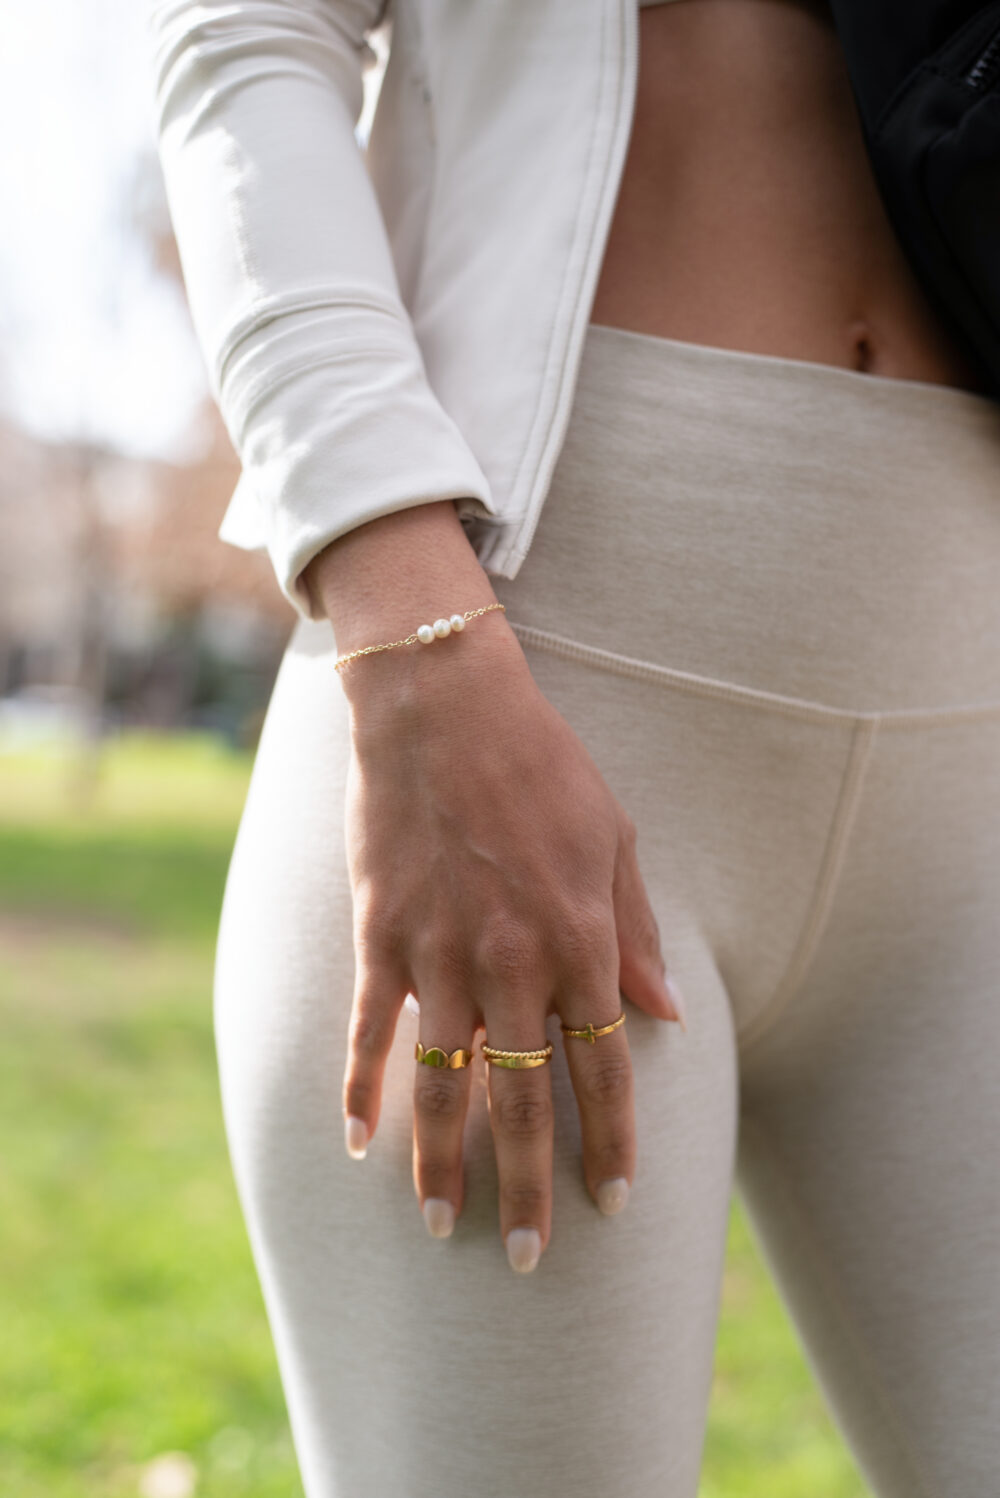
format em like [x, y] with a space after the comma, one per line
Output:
[118, 603]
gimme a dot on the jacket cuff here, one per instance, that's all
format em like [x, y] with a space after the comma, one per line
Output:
[335, 424]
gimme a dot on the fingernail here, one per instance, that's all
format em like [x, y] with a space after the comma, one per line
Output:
[523, 1248]
[676, 998]
[612, 1195]
[356, 1137]
[439, 1216]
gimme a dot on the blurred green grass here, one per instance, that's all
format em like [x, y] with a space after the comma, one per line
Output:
[133, 1323]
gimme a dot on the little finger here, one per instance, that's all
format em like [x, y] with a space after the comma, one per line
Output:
[600, 1068]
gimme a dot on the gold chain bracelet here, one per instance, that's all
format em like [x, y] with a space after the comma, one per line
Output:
[426, 633]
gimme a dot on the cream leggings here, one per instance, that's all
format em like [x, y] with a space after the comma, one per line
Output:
[765, 593]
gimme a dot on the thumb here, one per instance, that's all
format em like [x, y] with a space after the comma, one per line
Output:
[643, 976]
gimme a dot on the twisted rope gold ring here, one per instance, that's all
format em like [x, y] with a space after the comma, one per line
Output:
[517, 1060]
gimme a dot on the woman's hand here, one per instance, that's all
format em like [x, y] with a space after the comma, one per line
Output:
[494, 876]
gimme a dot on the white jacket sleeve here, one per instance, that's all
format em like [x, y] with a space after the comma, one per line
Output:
[311, 354]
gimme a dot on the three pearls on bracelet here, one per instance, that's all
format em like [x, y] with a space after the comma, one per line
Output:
[440, 628]
[424, 635]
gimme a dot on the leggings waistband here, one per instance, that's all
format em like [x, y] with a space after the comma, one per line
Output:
[782, 526]
[736, 372]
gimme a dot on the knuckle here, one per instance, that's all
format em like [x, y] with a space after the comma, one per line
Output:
[524, 1199]
[609, 1158]
[519, 1115]
[437, 1100]
[366, 1036]
[378, 928]
[609, 1081]
[443, 951]
[587, 939]
[508, 950]
[358, 1097]
[436, 1178]
[647, 931]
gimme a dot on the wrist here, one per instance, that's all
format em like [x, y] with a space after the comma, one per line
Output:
[383, 579]
[380, 582]
[400, 688]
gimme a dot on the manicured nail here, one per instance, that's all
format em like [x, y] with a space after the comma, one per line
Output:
[356, 1137]
[676, 998]
[439, 1216]
[612, 1195]
[523, 1248]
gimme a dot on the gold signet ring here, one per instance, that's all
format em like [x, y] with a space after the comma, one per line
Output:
[435, 1056]
[589, 1033]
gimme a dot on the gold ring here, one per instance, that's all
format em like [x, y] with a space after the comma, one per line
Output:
[435, 1056]
[517, 1060]
[590, 1034]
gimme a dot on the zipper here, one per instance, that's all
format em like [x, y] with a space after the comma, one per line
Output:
[985, 69]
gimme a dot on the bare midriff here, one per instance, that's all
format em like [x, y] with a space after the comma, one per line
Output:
[748, 216]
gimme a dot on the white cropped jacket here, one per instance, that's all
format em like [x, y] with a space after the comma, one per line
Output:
[399, 324]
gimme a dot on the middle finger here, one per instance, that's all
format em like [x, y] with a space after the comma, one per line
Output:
[521, 1118]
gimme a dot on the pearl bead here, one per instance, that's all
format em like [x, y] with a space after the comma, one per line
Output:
[457, 622]
[442, 628]
[425, 634]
